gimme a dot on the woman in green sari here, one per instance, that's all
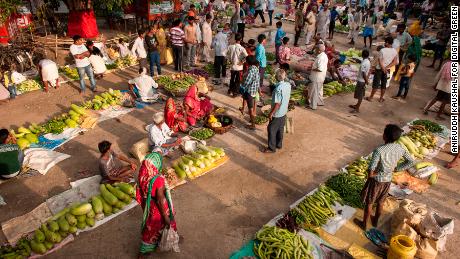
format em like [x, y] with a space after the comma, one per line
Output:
[154, 197]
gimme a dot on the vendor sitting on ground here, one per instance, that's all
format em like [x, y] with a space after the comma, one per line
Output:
[333, 63]
[195, 107]
[174, 117]
[11, 156]
[143, 87]
[383, 163]
[48, 72]
[111, 167]
[161, 137]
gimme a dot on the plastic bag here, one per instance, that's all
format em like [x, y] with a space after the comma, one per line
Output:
[435, 226]
[169, 241]
[169, 56]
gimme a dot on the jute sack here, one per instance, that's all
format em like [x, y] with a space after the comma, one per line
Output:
[405, 229]
[409, 212]
[140, 149]
[426, 248]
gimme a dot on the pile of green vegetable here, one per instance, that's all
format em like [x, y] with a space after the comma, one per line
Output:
[349, 187]
[270, 56]
[29, 85]
[202, 134]
[335, 87]
[71, 73]
[77, 216]
[352, 52]
[422, 138]
[176, 82]
[359, 167]
[194, 164]
[315, 209]
[274, 242]
[427, 53]
[260, 119]
[104, 100]
[209, 68]
[341, 28]
[429, 125]
[127, 61]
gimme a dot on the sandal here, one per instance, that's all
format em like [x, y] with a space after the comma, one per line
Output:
[267, 150]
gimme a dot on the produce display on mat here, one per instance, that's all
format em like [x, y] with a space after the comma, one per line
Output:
[427, 53]
[349, 187]
[298, 94]
[198, 162]
[411, 147]
[274, 242]
[176, 82]
[202, 134]
[72, 119]
[270, 56]
[288, 222]
[335, 87]
[260, 119]
[429, 125]
[209, 68]
[297, 51]
[69, 220]
[198, 72]
[127, 61]
[29, 85]
[341, 28]
[359, 167]
[422, 138]
[71, 73]
[316, 209]
[351, 52]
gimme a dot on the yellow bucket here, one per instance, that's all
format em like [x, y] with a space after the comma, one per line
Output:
[401, 247]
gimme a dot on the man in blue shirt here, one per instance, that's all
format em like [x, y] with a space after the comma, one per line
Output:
[261, 57]
[334, 16]
[277, 116]
[279, 40]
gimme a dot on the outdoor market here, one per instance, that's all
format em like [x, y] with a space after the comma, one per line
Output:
[227, 129]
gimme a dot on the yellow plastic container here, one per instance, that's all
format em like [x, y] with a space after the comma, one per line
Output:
[401, 247]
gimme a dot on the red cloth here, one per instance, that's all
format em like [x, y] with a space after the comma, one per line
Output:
[172, 116]
[151, 234]
[82, 23]
[197, 108]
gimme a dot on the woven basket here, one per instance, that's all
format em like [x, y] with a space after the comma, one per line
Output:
[224, 128]
[177, 93]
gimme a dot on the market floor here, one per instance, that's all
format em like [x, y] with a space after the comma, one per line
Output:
[219, 212]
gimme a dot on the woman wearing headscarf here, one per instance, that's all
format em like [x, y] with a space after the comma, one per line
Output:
[196, 108]
[155, 199]
[174, 118]
[161, 38]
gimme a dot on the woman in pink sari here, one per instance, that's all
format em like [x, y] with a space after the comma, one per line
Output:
[154, 197]
[196, 108]
[174, 118]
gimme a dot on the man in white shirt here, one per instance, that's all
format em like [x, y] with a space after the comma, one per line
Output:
[322, 22]
[161, 137]
[354, 27]
[144, 86]
[220, 46]
[138, 49]
[236, 54]
[362, 80]
[317, 76]
[388, 57]
[259, 7]
[207, 39]
[81, 56]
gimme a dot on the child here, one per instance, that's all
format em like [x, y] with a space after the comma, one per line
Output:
[362, 80]
[284, 52]
[250, 88]
[123, 48]
[111, 167]
[383, 163]
[251, 50]
[407, 71]
[227, 30]
[369, 28]
[278, 40]
[97, 62]
[261, 57]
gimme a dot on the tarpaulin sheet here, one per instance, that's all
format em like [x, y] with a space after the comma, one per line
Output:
[82, 23]
[42, 159]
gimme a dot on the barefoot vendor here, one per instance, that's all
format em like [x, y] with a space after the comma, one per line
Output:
[11, 156]
[195, 107]
[161, 137]
[144, 87]
[383, 163]
[111, 167]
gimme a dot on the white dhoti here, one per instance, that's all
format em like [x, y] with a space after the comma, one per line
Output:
[206, 55]
[315, 95]
[308, 34]
[50, 72]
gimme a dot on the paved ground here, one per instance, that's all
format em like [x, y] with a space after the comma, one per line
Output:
[219, 212]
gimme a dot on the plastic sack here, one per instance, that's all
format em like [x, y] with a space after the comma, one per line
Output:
[405, 229]
[435, 226]
[169, 241]
[169, 56]
[426, 248]
[409, 212]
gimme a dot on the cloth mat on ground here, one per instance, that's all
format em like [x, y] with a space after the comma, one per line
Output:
[42, 159]
[53, 141]
[113, 112]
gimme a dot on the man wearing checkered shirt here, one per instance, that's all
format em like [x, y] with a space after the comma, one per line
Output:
[383, 163]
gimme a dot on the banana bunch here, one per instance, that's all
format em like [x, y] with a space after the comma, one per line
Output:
[423, 137]
[298, 93]
[359, 167]
[316, 209]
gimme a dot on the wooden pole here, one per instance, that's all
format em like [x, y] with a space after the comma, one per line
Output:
[56, 50]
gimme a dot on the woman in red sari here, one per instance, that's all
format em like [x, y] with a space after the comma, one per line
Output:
[195, 108]
[154, 197]
[173, 117]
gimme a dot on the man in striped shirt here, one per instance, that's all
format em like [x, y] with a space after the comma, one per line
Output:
[177, 36]
[383, 163]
